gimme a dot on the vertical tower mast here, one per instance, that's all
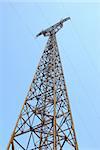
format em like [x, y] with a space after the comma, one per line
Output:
[45, 121]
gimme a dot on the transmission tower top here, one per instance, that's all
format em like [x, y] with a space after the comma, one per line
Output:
[53, 29]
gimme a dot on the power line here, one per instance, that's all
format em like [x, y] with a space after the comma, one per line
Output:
[21, 18]
[84, 48]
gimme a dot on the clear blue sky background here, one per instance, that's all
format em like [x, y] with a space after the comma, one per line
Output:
[79, 46]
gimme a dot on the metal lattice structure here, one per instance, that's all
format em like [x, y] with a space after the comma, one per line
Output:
[45, 121]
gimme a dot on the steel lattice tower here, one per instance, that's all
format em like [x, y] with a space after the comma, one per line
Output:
[45, 121]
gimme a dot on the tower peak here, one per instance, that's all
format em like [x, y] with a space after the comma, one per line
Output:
[54, 28]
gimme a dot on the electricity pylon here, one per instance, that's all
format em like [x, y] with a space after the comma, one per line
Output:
[45, 121]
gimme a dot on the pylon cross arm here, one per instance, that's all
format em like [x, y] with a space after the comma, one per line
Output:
[53, 29]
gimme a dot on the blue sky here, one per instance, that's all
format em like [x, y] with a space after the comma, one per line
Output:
[79, 48]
